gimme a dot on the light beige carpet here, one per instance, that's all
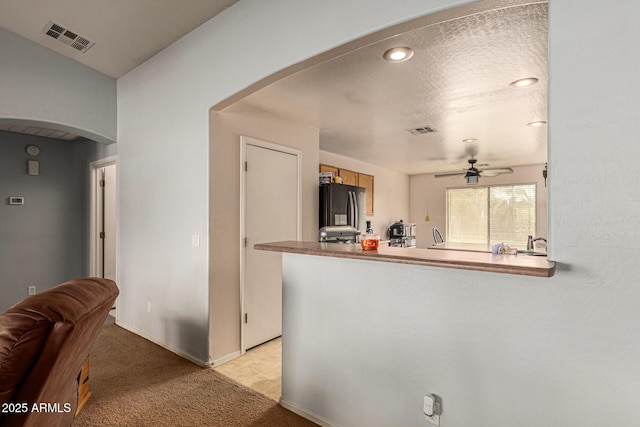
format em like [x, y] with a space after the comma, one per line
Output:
[137, 383]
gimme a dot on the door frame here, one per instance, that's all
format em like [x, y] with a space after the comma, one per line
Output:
[95, 204]
[244, 142]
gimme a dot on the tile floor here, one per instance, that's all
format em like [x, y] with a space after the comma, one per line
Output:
[259, 369]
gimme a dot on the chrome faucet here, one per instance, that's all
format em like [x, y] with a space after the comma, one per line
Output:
[536, 240]
[531, 241]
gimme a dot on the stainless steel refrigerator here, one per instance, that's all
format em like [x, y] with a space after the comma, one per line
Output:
[342, 204]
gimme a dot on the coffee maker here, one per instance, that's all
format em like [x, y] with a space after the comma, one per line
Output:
[402, 235]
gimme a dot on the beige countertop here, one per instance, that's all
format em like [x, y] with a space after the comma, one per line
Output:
[509, 264]
[482, 247]
[473, 247]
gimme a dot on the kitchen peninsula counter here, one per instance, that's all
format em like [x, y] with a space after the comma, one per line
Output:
[508, 264]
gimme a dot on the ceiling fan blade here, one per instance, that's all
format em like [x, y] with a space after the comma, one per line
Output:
[495, 171]
[445, 174]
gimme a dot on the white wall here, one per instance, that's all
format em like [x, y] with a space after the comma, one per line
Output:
[163, 146]
[43, 88]
[505, 350]
[427, 187]
[492, 346]
[391, 191]
[580, 325]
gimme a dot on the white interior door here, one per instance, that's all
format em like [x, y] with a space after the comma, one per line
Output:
[271, 214]
[109, 222]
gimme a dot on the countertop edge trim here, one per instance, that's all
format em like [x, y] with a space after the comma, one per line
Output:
[374, 256]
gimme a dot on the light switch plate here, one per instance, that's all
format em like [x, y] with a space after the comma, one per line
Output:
[431, 409]
[429, 402]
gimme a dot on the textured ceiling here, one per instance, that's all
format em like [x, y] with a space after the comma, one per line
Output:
[456, 83]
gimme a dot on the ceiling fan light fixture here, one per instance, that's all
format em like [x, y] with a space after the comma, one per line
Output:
[472, 178]
[398, 54]
[537, 123]
[527, 81]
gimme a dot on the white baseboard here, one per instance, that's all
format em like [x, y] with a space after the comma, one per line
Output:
[304, 414]
[224, 359]
[165, 345]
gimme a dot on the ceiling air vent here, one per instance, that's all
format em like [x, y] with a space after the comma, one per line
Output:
[421, 130]
[58, 32]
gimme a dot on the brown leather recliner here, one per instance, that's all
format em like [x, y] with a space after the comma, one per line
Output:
[44, 340]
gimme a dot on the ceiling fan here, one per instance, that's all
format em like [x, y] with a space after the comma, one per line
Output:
[472, 174]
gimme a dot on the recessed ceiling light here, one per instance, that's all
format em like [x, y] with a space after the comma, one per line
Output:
[469, 140]
[398, 54]
[524, 82]
[538, 123]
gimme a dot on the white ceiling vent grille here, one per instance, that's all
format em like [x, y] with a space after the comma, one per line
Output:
[421, 130]
[68, 37]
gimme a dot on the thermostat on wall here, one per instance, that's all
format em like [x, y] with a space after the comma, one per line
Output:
[14, 200]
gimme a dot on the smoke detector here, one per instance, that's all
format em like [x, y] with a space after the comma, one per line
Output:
[68, 37]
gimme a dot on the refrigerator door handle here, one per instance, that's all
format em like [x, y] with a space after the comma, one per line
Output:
[355, 206]
[349, 209]
[352, 216]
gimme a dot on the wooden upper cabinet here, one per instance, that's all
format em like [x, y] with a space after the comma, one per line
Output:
[349, 177]
[327, 168]
[354, 178]
[366, 181]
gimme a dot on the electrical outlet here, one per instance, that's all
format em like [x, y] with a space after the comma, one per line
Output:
[31, 290]
[195, 240]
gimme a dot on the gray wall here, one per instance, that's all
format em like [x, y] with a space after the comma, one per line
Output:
[43, 242]
[46, 89]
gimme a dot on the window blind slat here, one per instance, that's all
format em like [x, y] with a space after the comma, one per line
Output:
[513, 213]
[467, 215]
[488, 215]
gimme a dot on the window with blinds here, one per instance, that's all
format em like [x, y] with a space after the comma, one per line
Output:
[488, 215]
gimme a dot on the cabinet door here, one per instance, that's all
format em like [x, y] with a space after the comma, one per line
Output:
[366, 181]
[349, 177]
[327, 168]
